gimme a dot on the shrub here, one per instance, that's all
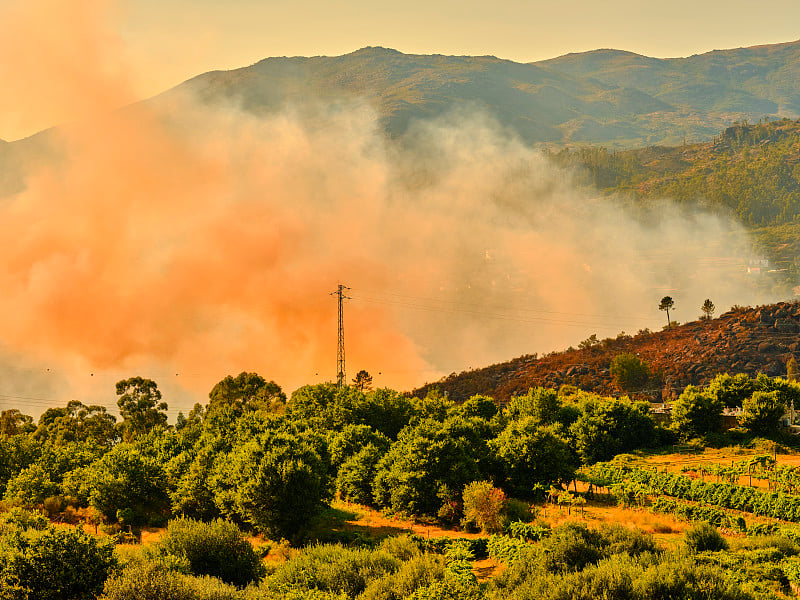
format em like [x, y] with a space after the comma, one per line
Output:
[55, 563]
[571, 547]
[401, 547]
[331, 568]
[484, 505]
[217, 548]
[155, 581]
[418, 572]
[630, 372]
[704, 536]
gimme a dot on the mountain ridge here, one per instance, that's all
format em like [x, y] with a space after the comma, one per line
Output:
[607, 96]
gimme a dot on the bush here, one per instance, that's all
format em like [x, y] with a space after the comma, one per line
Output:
[155, 581]
[330, 568]
[401, 547]
[217, 548]
[704, 536]
[418, 572]
[571, 547]
[630, 372]
[55, 563]
[484, 505]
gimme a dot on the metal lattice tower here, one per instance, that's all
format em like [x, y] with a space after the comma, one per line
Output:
[340, 372]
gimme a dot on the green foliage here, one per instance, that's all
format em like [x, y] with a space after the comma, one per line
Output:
[31, 486]
[245, 392]
[703, 537]
[276, 482]
[696, 412]
[507, 549]
[418, 571]
[426, 457]
[355, 476]
[54, 563]
[77, 422]
[331, 568]
[731, 390]
[540, 404]
[630, 373]
[484, 506]
[13, 422]
[156, 581]
[351, 439]
[531, 454]
[482, 407]
[126, 480]
[609, 426]
[140, 406]
[762, 412]
[329, 406]
[217, 548]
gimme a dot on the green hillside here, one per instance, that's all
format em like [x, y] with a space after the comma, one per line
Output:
[608, 97]
[751, 171]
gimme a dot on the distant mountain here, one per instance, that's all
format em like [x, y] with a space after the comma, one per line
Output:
[743, 340]
[610, 97]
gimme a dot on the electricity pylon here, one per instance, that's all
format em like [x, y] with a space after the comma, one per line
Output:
[340, 372]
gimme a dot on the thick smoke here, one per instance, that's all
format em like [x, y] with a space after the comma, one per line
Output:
[208, 241]
[185, 242]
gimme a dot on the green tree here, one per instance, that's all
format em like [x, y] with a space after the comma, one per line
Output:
[696, 412]
[363, 381]
[731, 390]
[666, 303]
[540, 404]
[277, 482]
[77, 422]
[630, 373]
[140, 406]
[708, 309]
[609, 426]
[355, 476]
[57, 563]
[125, 480]
[13, 422]
[528, 453]
[428, 456]
[762, 412]
[245, 392]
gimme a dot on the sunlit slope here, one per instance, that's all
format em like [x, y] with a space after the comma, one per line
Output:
[607, 97]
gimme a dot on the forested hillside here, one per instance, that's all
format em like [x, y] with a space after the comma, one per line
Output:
[749, 170]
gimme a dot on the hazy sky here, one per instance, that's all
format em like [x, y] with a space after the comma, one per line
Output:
[155, 44]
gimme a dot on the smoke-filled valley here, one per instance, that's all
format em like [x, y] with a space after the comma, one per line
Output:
[185, 241]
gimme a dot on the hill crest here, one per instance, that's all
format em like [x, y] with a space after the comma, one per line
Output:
[742, 340]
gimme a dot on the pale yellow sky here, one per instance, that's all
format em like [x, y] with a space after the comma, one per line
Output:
[152, 45]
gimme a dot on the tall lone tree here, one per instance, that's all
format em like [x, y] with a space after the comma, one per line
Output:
[708, 309]
[666, 303]
[363, 381]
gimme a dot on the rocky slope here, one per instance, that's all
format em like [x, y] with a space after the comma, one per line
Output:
[743, 340]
